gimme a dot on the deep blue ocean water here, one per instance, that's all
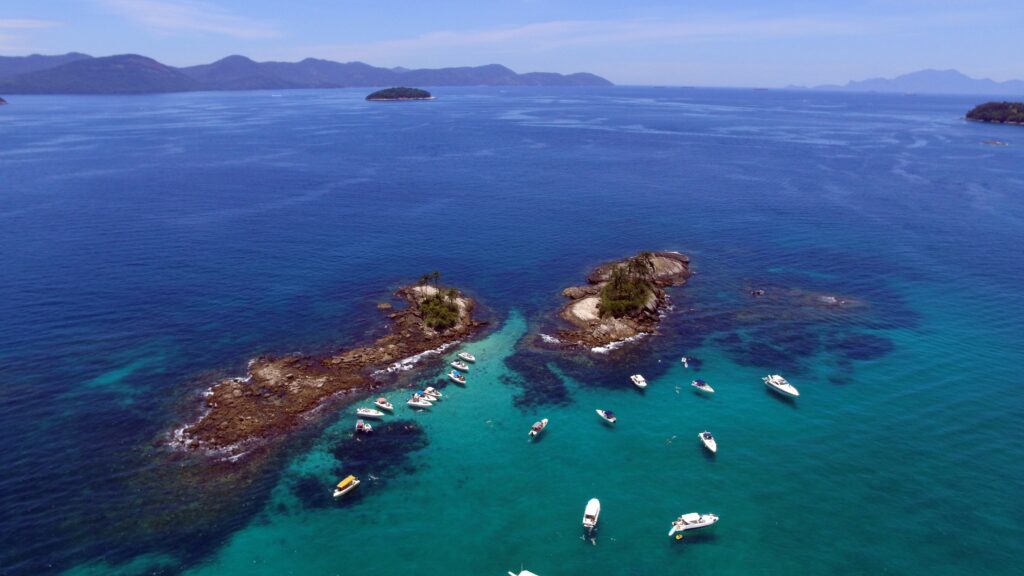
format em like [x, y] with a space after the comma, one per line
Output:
[149, 244]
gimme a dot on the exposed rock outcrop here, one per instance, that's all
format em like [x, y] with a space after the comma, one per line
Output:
[591, 329]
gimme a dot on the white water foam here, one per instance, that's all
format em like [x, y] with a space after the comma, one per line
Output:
[617, 344]
[549, 339]
[410, 362]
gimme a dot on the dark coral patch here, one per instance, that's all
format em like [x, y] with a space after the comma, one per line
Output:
[860, 346]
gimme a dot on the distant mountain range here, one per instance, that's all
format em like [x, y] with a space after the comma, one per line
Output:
[76, 73]
[932, 82]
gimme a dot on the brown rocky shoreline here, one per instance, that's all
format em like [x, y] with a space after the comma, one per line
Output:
[592, 330]
[279, 393]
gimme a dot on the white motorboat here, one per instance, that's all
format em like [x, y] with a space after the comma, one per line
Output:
[363, 427]
[456, 377]
[383, 404]
[779, 384]
[685, 361]
[590, 515]
[460, 365]
[523, 573]
[538, 427]
[418, 401]
[369, 413]
[467, 356]
[346, 486]
[606, 415]
[431, 391]
[703, 386]
[638, 381]
[709, 441]
[691, 521]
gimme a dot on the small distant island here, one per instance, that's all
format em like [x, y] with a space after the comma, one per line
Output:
[400, 93]
[623, 299]
[998, 112]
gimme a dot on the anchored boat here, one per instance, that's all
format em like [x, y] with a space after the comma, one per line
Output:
[606, 415]
[456, 377]
[369, 413]
[383, 404]
[703, 386]
[460, 365]
[638, 381]
[346, 486]
[467, 356]
[709, 441]
[691, 521]
[418, 401]
[779, 384]
[431, 391]
[590, 514]
[538, 427]
[363, 427]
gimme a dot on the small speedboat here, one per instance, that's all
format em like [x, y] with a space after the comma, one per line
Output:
[383, 404]
[779, 384]
[456, 377]
[591, 513]
[418, 401]
[709, 441]
[538, 427]
[363, 427]
[691, 521]
[638, 381]
[685, 361]
[369, 413]
[703, 386]
[346, 486]
[431, 391]
[606, 415]
[460, 365]
[467, 356]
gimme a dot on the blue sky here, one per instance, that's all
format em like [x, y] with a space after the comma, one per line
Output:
[709, 43]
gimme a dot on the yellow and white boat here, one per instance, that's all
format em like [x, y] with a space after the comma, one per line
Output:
[346, 486]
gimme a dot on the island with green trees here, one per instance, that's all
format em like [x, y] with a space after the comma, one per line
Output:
[281, 393]
[998, 112]
[400, 93]
[622, 300]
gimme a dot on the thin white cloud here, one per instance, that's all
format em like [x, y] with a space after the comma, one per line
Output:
[547, 36]
[22, 24]
[189, 16]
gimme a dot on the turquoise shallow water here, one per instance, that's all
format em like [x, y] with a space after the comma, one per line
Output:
[154, 243]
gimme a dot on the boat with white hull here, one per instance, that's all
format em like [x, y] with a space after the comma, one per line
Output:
[538, 427]
[418, 401]
[591, 514]
[779, 384]
[702, 386]
[369, 413]
[638, 381]
[345, 486]
[383, 404]
[456, 377]
[709, 441]
[691, 521]
[607, 415]
[460, 365]
[467, 357]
